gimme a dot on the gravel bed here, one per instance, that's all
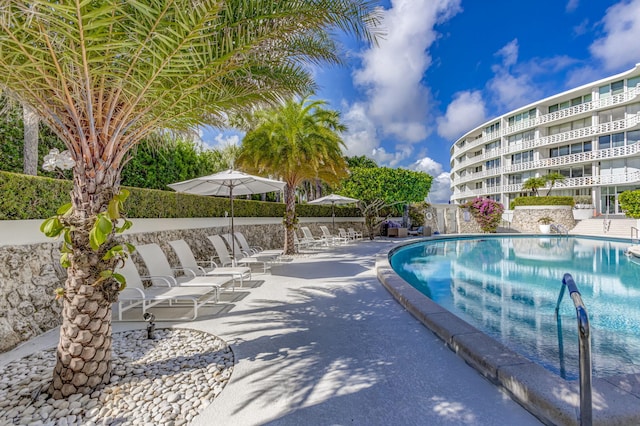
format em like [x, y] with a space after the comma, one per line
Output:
[165, 381]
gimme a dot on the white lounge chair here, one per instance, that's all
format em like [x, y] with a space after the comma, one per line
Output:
[191, 266]
[160, 269]
[160, 292]
[332, 239]
[225, 257]
[353, 234]
[308, 237]
[240, 253]
[256, 250]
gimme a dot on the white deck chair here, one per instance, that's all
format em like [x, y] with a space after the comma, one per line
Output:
[343, 234]
[225, 257]
[136, 295]
[308, 237]
[241, 253]
[256, 250]
[191, 266]
[355, 235]
[333, 239]
[160, 269]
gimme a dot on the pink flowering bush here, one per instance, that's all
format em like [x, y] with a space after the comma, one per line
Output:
[487, 213]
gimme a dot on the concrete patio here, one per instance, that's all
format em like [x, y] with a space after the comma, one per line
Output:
[321, 342]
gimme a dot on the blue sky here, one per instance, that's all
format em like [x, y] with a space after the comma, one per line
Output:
[446, 66]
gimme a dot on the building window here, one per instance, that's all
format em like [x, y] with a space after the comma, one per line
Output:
[633, 82]
[493, 182]
[618, 139]
[515, 179]
[611, 115]
[478, 185]
[566, 127]
[611, 89]
[573, 102]
[493, 128]
[478, 169]
[522, 157]
[522, 137]
[493, 145]
[526, 115]
[575, 148]
[492, 164]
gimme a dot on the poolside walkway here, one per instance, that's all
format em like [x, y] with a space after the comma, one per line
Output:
[321, 342]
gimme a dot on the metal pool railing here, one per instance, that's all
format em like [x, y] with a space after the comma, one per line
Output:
[584, 339]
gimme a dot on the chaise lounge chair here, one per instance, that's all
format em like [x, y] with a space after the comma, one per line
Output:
[225, 257]
[159, 269]
[191, 266]
[136, 295]
[241, 253]
[332, 239]
[256, 250]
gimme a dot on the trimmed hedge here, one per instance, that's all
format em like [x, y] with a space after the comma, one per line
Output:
[31, 197]
[542, 201]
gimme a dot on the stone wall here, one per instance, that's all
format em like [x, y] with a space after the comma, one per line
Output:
[525, 218]
[467, 224]
[30, 273]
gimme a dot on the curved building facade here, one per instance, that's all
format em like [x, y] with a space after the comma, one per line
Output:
[590, 135]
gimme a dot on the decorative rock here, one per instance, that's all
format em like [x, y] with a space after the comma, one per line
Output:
[143, 392]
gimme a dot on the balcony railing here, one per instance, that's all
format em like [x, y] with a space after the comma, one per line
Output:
[620, 98]
[585, 132]
[568, 183]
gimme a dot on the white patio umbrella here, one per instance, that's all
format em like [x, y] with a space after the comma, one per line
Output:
[228, 184]
[333, 199]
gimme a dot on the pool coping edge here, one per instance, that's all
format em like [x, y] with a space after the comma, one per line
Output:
[545, 395]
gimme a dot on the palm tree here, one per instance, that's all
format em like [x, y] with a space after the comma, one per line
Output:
[104, 74]
[553, 177]
[31, 125]
[533, 183]
[295, 141]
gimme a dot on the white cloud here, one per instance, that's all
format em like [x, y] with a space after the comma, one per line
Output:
[572, 5]
[440, 191]
[512, 86]
[392, 72]
[361, 137]
[216, 139]
[463, 113]
[619, 47]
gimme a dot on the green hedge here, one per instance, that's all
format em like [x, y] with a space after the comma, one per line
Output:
[31, 197]
[542, 201]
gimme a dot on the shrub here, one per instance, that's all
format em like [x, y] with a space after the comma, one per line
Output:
[542, 201]
[630, 203]
[31, 197]
[487, 213]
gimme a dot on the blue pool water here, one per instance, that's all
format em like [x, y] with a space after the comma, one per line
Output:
[508, 288]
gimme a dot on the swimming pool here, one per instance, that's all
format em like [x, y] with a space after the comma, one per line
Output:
[508, 288]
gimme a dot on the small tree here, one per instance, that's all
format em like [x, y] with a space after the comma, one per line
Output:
[486, 212]
[630, 203]
[533, 183]
[552, 178]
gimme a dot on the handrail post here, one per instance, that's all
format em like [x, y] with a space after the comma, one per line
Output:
[584, 352]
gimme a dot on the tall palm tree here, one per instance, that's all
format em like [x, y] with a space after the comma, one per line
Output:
[104, 74]
[295, 141]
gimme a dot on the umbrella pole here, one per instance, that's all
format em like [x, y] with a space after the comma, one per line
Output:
[333, 216]
[233, 238]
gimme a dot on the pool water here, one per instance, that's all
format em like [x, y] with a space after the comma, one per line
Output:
[508, 287]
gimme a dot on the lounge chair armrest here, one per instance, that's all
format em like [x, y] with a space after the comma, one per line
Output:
[168, 281]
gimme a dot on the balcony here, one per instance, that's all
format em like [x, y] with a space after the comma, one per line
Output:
[572, 135]
[620, 98]
[569, 183]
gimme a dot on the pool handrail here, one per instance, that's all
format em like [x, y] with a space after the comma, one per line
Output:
[584, 338]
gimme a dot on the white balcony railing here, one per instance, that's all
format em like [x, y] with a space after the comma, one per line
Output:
[569, 183]
[620, 98]
[572, 135]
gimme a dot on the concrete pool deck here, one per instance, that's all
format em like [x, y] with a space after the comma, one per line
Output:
[321, 342]
[616, 400]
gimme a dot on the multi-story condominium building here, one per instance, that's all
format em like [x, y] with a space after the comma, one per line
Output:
[590, 135]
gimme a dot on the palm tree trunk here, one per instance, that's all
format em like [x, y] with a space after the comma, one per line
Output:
[83, 356]
[289, 218]
[30, 150]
